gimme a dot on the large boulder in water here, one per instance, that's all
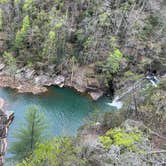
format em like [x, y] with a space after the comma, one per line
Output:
[96, 95]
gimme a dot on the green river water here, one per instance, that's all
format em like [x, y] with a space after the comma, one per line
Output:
[65, 109]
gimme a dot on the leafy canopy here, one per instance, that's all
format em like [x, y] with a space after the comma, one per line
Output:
[119, 137]
[29, 134]
[21, 34]
[57, 152]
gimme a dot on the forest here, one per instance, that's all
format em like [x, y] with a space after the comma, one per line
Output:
[106, 51]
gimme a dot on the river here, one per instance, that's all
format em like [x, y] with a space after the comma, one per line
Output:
[65, 109]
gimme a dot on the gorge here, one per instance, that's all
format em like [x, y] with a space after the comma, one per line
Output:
[65, 109]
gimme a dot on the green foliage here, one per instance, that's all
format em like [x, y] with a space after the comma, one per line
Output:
[49, 49]
[21, 34]
[3, 1]
[57, 152]
[110, 65]
[114, 60]
[1, 20]
[17, 1]
[103, 18]
[52, 36]
[106, 141]
[59, 24]
[30, 133]
[9, 58]
[28, 5]
[11, 63]
[118, 136]
[132, 76]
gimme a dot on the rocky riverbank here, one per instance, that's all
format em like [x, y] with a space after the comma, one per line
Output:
[28, 80]
[84, 80]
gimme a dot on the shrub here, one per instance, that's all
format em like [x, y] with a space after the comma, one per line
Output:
[118, 136]
[113, 61]
[106, 141]
[28, 5]
[11, 63]
[59, 151]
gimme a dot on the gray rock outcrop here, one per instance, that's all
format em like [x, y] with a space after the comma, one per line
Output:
[6, 119]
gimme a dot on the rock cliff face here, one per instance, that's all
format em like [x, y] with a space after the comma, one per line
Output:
[6, 119]
[28, 80]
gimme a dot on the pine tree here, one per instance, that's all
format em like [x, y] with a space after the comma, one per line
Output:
[29, 134]
[21, 34]
[10, 61]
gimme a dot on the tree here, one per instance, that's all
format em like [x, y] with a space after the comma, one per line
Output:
[113, 61]
[29, 134]
[11, 64]
[57, 152]
[49, 49]
[21, 34]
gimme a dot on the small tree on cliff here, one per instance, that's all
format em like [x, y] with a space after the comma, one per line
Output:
[30, 133]
[11, 64]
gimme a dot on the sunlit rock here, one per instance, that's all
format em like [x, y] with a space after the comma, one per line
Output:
[6, 119]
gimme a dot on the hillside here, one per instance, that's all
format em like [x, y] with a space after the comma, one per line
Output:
[103, 38]
[100, 48]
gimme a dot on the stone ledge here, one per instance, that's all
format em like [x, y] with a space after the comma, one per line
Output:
[6, 119]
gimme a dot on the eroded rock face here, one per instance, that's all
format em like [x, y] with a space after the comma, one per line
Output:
[84, 80]
[59, 80]
[28, 80]
[29, 74]
[2, 66]
[6, 119]
[42, 80]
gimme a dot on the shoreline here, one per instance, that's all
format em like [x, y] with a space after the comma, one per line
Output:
[28, 86]
[29, 80]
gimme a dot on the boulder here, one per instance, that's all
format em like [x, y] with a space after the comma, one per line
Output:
[96, 95]
[42, 80]
[59, 80]
[19, 76]
[29, 73]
